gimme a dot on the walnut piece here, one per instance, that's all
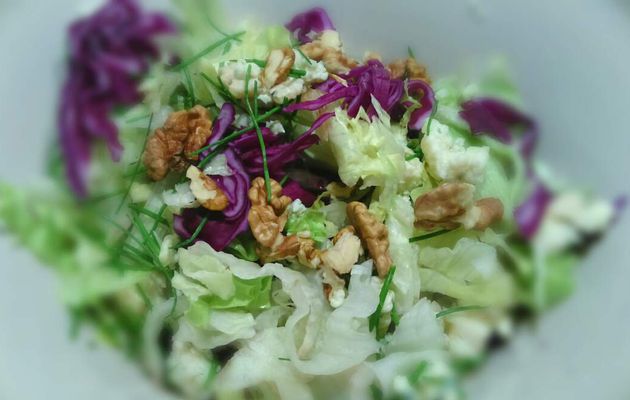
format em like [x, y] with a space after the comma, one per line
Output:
[206, 190]
[327, 48]
[451, 205]
[374, 235]
[267, 220]
[171, 147]
[279, 64]
[345, 252]
[442, 206]
[490, 211]
[408, 68]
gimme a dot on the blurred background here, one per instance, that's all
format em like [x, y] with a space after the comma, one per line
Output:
[569, 57]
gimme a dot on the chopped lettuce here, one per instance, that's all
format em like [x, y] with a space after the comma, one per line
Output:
[469, 273]
[69, 239]
[309, 222]
[373, 152]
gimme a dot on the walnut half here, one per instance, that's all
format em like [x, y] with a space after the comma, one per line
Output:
[374, 235]
[279, 64]
[206, 190]
[408, 68]
[327, 48]
[451, 205]
[171, 146]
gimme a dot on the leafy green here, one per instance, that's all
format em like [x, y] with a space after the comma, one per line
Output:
[249, 295]
[470, 272]
[310, 220]
[372, 151]
[72, 240]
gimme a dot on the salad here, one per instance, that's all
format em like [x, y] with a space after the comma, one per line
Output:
[254, 212]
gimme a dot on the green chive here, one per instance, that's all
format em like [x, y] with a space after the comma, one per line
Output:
[190, 88]
[375, 318]
[297, 73]
[216, 28]
[284, 180]
[143, 295]
[157, 217]
[207, 51]
[261, 141]
[195, 234]
[432, 116]
[296, 47]
[137, 167]
[238, 133]
[428, 236]
[410, 52]
[150, 241]
[458, 309]
[416, 374]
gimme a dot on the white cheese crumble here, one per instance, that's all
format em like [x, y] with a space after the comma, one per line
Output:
[569, 216]
[337, 297]
[275, 127]
[242, 121]
[233, 75]
[218, 166]
[180, 197]
[296, 207]
[290, 89]
[450, 160]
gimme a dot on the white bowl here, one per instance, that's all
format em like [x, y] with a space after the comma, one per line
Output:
[570, 58]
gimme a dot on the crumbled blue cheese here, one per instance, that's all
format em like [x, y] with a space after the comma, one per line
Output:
[337, 297]
[315, 70]
[296, 207]
[275, 127]
[450, 160]
[218, 166]
[569, 216]
[233, 74]
[180, 197]
[290, 89]
[242, 121]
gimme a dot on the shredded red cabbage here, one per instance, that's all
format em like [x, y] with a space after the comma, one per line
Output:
[499, 119]
[619, 205]
[427, 102]
[222, 227]
[221, 125]
[295, 191]
[279, 152]
[108, 51]
[530, 214]
[305, 24]
[369, 81]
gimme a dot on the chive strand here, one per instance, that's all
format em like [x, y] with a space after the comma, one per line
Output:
[458, 309]
[195, 234]
[239, 133]
[375, 318]
[156, 217]
[428, 236]
[137, 167]
[207, 51]
[261, 140]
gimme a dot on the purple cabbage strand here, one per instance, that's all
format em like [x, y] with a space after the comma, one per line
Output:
[109, 50]
[221, 228]
[312, 21]
[498, 119]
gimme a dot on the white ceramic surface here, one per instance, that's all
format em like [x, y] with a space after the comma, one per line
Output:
[571, 59]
